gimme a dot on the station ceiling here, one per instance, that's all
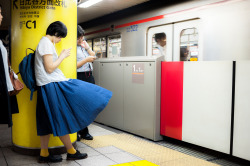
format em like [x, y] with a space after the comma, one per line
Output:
[103, 8]
[106, 10]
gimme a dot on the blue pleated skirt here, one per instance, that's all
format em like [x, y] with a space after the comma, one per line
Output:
[69, 106]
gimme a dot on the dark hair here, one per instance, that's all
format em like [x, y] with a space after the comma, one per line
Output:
[183, 50]
[0, 6]
[80, 31]
[57, 29]
[160, 36]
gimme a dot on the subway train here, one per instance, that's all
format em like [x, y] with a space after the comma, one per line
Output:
[201, 97]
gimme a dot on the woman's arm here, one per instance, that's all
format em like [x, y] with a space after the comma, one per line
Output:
[50, 65]
[91, 53]
[82, 62]
[85, 45]
[90, 58]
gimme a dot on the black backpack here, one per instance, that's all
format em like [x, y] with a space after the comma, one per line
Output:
[27, 71]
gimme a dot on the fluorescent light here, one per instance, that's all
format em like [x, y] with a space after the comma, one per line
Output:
[88, 3]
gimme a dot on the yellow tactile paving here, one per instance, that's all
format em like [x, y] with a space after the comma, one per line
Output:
[149, 151]
[137, 163]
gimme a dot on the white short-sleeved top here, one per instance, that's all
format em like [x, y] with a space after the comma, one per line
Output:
[6, 68]
[162, 50]
[82, 54]
[46, 47]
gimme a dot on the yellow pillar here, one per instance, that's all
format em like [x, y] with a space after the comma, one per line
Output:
[29, 22]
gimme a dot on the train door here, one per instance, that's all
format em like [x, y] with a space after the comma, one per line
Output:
[160, 41]
[187, 41]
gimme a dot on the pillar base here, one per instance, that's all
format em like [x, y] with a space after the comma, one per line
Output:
[36, 152]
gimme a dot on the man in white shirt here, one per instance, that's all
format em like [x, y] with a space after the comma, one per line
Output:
[160, 39]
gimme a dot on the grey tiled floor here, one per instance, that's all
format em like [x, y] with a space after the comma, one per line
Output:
[109, 155]
[96, 157]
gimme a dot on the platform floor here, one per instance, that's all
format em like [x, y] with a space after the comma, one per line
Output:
[112, 147]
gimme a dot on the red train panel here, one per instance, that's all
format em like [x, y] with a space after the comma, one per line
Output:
[172, 99]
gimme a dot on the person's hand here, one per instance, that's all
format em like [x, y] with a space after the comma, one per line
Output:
[65, 52]
[90, 58]
[85, 45]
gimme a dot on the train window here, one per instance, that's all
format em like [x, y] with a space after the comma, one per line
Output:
[189, 45]
[114, 46]
[159, 44]
[89, 41]
[100, 47]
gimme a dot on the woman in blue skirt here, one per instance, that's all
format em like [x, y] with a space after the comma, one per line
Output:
[64, 106]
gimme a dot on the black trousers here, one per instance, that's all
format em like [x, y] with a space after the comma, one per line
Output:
[88, 77]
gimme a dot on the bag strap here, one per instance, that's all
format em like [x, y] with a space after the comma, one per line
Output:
[29, 49]
[31, 95]
[10, 66]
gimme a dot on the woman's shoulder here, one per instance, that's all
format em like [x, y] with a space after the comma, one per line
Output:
[44, 45]
[45, 39]
[78, 47]
[45, 42]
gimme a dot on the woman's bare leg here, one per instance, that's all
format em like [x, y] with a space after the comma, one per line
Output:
[44, 154]
[72, 153]
[66, 141]
[44, 145]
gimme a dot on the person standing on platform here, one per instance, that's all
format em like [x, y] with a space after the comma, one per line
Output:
[8, 103]
[64, 106]
[85, 57]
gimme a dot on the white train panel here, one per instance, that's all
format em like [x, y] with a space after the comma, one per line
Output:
[241, 136]
[207, 98]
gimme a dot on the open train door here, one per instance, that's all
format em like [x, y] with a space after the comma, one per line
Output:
[165, 30]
